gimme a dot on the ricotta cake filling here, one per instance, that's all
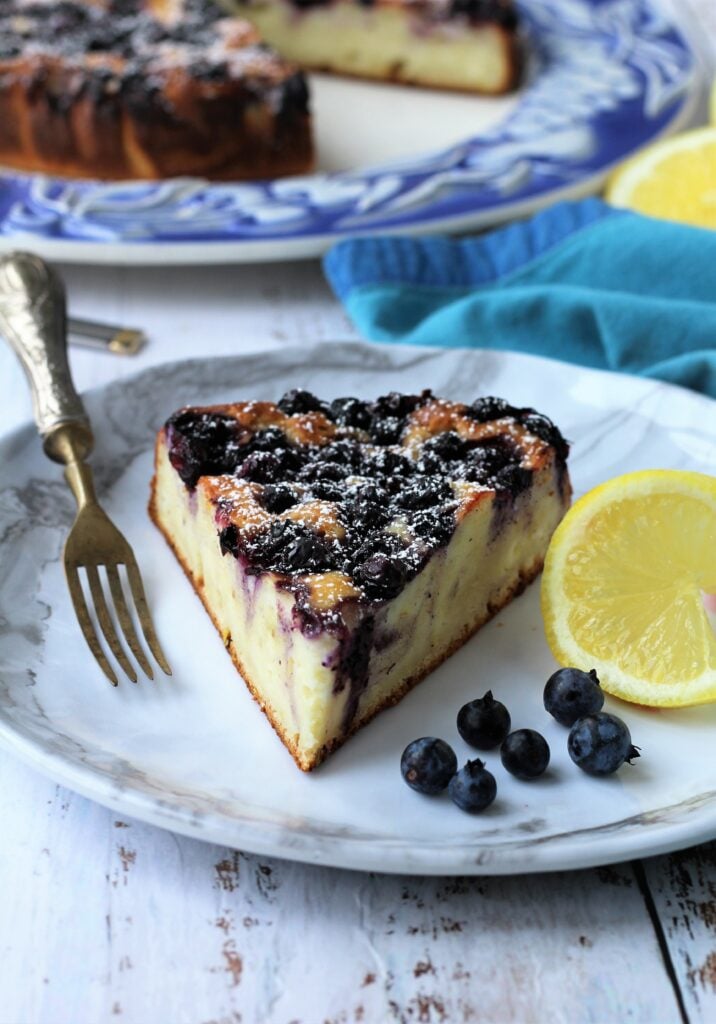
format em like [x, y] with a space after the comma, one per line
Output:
[452, 44]
[345, 550]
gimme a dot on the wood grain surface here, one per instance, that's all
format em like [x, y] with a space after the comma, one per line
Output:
[104, 919]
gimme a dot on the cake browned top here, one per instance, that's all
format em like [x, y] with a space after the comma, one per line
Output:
[349, 499]
[127, 46]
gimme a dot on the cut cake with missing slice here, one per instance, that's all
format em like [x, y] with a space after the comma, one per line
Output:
[344, 550]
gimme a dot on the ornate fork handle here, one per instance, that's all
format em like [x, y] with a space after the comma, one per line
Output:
[33, 318]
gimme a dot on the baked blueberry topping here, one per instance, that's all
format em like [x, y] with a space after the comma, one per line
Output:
[434, 525]
[392, 505]
[351, 412]
[269, 467]
[600, 744]
[473, 788]
[398, 405]
[386, 430]
[201, 444]
[324, 471]
[298, 401]
[428, 764]
[490, 408]
[424, 492]
[278, 498]
[447, 447]
[327, 490]
[545, 429]
[501, 12]
[570, 694]
[381, 576]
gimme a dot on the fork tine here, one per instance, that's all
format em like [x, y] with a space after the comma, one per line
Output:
[83, 617]
[105, 621]
[145, 619]
[125, 620]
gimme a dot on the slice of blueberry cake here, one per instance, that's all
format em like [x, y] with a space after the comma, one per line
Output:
[345, 549]
[470, 45]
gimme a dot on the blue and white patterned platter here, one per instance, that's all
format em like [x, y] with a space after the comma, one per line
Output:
[605, 77]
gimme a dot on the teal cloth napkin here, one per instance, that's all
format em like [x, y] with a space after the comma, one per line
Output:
[582, 282]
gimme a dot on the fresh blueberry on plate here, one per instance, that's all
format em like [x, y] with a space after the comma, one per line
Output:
[525, 754]
[428, 764]
[571, 694]
[599, 744]
[473, 788]
[483, 723]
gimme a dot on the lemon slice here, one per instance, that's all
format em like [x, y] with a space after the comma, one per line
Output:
[624, 584]
[674, 180]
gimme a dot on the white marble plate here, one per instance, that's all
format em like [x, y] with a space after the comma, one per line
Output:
[193, 753]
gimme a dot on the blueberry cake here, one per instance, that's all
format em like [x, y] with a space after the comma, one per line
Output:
[345, 549]
[146, 89]
[451, 44]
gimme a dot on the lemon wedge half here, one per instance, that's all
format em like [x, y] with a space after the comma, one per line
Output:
[674, 179]
[625, 583]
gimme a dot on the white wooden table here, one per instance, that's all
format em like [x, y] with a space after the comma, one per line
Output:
[104, 919]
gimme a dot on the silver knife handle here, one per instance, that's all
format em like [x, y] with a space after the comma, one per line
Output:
[33, 318]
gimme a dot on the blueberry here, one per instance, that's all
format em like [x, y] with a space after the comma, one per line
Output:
[514, 479]
[325, 471]
[268, 440]
[599, 744]
[448, 446]
[486, 459]
[398, 405]
[483, 723]
[266, 467]
[428, 764]
[299, 401]
[434, 525]
[389, 468]
[229, 540]
[381, 576]
[307, 553]
[200, 444]
[570, 694]
[351, 412]
[545, 429]
[277, 498]
[386, 430]
[343, 452]
[473, 788]
[489, 408]
[525, 754]
[424, 492]
[366, 508]
[327, 490]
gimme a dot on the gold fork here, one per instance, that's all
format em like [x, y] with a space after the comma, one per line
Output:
[33, 318]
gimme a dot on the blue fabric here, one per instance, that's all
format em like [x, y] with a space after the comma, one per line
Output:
[581, 282]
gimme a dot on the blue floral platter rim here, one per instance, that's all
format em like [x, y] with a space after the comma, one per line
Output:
[605, 78]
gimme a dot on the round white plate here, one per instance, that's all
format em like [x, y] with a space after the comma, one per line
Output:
[194, 753]
[604, 78]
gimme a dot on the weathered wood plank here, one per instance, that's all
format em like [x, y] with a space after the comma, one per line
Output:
[683, 887]
[105, 919]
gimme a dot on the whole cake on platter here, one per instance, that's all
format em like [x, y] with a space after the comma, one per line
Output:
[146, 89]
[343, 550]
